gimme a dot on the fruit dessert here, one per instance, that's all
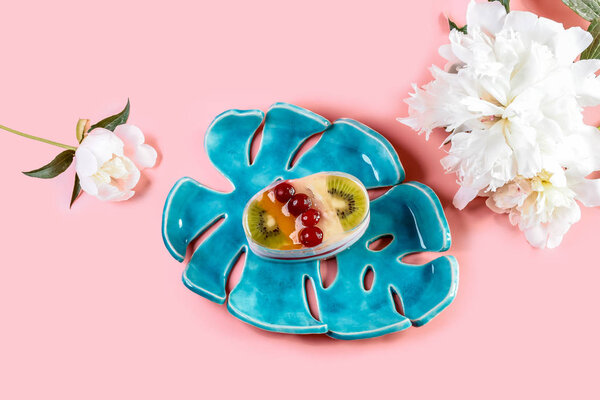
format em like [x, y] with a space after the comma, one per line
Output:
[306, 218]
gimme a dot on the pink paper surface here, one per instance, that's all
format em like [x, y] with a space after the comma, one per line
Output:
[92, 305]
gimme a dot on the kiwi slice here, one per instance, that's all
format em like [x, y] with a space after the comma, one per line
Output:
[348, 199]
[264, 228]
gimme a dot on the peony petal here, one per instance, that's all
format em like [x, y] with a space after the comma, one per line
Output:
[508, 197]
[514, 217]
[108, 192]
[492, 206]
[570, 43]
[537, 236]
[453, 62]
[482, 158]
[481, 107]
[533, 69]
[439, 103]
[586, 67]
[587, 85]
[488, 16]
[558, 178]
[103, 144]
[133, 175]
[588, 192]
[131, 135]
[521, 21]
[145, 156]
[86, 163]
[464, 196]
[582, 151]
[554, 240]
[561, 223]
[88, 185]
[522, 140]
[545, 31]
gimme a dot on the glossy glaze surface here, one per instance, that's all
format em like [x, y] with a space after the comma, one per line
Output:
[270, 294]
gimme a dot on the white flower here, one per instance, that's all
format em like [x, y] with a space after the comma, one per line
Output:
[543, 211]
[512, 98]
[108, 164]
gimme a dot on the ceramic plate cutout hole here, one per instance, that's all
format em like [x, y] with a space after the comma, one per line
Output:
[380, 242]
[368, 278]
[305, 146]
[236, 271]
[377, 193]
[328, 270]
[420, 258]
[255, 143]
[194, 244]
[397, 302]
[311, 298]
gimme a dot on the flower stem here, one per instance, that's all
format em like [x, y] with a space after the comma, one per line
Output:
[39, 139]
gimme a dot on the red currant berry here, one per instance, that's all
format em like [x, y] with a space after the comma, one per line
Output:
[298, 204]
[284, 191]
[311, 236]
[310, 217]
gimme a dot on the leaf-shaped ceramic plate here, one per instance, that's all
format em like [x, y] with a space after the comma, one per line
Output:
[272, 295]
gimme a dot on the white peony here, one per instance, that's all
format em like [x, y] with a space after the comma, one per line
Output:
[512, 98]
[543, 211]
[108, 164]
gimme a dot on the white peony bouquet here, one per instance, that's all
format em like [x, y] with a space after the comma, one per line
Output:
[511, 98]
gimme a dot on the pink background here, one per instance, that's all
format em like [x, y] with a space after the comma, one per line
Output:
[92, 305]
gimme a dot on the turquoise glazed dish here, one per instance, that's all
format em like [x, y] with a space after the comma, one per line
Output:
[271, 294]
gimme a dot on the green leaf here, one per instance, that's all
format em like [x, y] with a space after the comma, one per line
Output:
[452, 26]
[54, 167]
[588, 9]
[76, 190]
[594, 50]
[505, 3]
[113, 121]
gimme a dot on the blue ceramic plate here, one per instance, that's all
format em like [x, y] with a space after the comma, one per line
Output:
[272, 295]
